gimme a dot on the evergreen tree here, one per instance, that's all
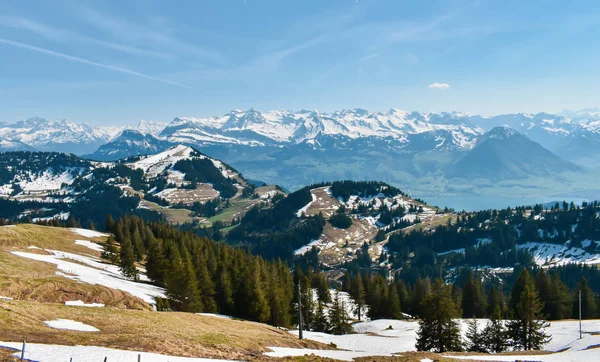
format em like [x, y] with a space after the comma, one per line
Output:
[394, 308]
[110, 251]
[438, 331]
[588, 300]
[338, 317]
[254, 293]
[421, 290]
[224, 294]
[522, 281]
[559, 306]
[495, 335]
[357, 292]
[322, 286]
[155, 262]
[321, 321]
[109, 225]
[475, 340]
[527, 329]
[127, 260]
[473, 300]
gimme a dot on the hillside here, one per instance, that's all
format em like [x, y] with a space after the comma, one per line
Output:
[179, 184]
[49, 273]
[333, 223]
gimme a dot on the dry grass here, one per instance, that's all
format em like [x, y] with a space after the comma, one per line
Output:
[23, 235]
[26, 279]
[179, 334]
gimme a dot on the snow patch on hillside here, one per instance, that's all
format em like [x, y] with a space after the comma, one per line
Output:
[89, 233]
[95, 272]
[46, 181]
[90, 245]
[70, 325]
[546, 254]
[305, 208]
[80, 303]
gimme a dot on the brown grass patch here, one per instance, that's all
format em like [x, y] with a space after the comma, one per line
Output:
[178, 334]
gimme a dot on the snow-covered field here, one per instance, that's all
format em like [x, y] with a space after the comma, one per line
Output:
[52, 353]
[386, 337]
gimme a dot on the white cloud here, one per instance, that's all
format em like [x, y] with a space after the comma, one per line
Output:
[437, 85]
[90, 62]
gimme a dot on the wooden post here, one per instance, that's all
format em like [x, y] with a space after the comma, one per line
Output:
[105, 359]
[139, 357]
[23, 350]
[580, 336]
[300, 336]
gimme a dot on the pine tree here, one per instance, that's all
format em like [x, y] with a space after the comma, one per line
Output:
[473, 300]
[394, 308]
[357, 292]
[559, 306]
[321, 321]
[438, 331]
[109, 225]
[224, 294]
[155, 269]
[338, 317]
[421, 290]
[475, 340]
[544, 289]
[527, 329]
[127, 260]
[110, 251]
[254, 293]
[322, 286]
[522, 281]
[588, 300]
[495, 335]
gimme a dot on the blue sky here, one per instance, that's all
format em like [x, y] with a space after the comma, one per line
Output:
[115, 62]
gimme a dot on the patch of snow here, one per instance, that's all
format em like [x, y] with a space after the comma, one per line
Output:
[70, 325]
[215, 315]
[5, 298]
[80, 303]
[52, 353]
[338, 355]
[559, 254]
[88, 233]
[96, 272]
[90, 245]
[306, 248]
[305, 208]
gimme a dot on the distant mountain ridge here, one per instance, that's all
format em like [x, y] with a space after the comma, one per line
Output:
[503, 153]
[63, 135]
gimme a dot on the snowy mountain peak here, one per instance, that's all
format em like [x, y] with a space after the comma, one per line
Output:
[502, 132]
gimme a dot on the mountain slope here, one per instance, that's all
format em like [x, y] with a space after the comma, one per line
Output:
[129, 143]
[503, 153]
[179, 184]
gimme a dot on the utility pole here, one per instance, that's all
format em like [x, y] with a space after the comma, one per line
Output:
[580, 336]
[299, 312]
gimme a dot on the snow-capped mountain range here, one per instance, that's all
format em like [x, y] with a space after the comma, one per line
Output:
[258, 128]
[413, 130]
[63, 135]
